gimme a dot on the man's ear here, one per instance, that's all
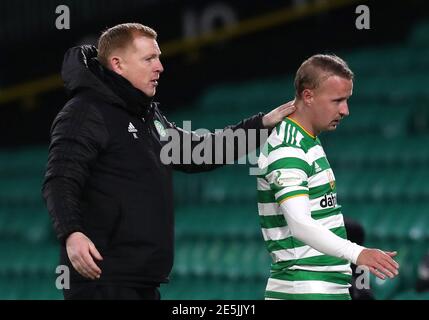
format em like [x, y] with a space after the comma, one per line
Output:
[307, 96]
[116, 64]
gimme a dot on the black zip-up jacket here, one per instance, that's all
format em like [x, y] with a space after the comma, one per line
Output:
[104, 174]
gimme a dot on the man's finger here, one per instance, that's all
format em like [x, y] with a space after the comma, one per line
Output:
[94, 252]
[385, 270]
[392, 261]
[288, 106]
[80, 269]
[377, 273]
[84, 267]
[90, 265]
[289, 109]
[391, 253]
[76, 265]
[87, 270]
[386, 266]
[391, 264]
[284, 112]
[86, 274]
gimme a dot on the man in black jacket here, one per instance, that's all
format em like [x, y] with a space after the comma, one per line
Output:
[108, 193]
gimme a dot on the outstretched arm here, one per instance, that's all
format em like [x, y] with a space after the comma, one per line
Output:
[302, 226]
[227, 145]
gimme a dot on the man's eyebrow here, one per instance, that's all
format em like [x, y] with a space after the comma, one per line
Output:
[152, 55]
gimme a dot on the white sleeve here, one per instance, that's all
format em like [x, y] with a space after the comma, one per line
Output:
[303, 227]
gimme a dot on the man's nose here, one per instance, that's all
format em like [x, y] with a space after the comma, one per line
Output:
[159, 68]
[344, 110]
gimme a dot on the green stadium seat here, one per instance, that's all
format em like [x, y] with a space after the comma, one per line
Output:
[218, 220]
[20, 257]
[215, 256]
[251, 96]
[32, 224]
[21, 191]
[22, 162]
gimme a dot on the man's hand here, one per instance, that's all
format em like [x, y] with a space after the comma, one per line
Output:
[81, 251]
[278, 114]
[380, 263]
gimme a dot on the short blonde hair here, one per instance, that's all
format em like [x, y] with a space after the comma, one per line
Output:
[119, 37]
[317, 68]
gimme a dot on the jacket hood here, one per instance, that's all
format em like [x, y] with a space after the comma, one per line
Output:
[81, 71]
[77, 75]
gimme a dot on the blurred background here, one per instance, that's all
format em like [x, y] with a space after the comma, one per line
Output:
[226, 60]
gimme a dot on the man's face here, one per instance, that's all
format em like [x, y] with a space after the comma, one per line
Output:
[141, 66]
[329, 103]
